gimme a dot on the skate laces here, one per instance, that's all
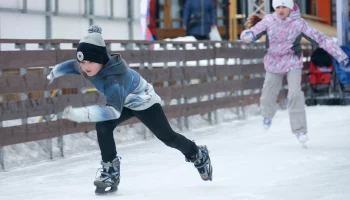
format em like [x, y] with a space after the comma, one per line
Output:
[109, 168]
[201, 157]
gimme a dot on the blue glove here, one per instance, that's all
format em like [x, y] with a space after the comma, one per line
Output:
[345, 62]
[248, 37]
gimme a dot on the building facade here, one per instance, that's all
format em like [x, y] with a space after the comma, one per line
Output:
[69, 19]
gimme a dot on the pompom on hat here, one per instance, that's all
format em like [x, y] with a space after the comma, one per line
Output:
[92, 47]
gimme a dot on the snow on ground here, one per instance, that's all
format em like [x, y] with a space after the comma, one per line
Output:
[249, 164]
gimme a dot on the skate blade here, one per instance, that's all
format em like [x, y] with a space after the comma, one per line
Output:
[105, 191]
[266, 128]
[209, 176]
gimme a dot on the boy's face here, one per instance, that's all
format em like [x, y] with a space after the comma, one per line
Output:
[282, 11]
[90, 68]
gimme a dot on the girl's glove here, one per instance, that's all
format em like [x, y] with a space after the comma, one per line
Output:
[248, 37]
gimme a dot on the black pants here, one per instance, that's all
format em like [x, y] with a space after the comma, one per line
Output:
[154, 118]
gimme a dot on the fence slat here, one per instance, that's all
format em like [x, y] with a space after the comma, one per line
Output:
[25, 59]
[38, 82]
[46, 106]
[255, 83]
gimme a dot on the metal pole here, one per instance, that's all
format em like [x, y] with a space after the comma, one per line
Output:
[91, 12]
[131, 19]
[342, 7]
[250, 7]
[302, 6]
[112, 8]
[267, 7]
[46, 69]
[259, 7]
[25, 6]
[56, 7]
[48, 19]
[86, 8]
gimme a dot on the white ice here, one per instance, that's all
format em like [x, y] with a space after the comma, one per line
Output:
[249, 164]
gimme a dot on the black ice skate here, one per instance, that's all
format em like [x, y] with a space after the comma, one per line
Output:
[202, 162]
[109, 179]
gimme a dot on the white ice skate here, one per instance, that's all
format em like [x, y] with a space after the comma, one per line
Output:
[267, 123]
[303, 138]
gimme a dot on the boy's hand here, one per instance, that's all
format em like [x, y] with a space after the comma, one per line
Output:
[76, 114]
[50, 77]
[68, 113]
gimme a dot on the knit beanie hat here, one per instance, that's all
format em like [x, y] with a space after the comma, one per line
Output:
[286, 3]
[92, 46]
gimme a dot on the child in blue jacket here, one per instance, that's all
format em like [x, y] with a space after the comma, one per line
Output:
[128, 95]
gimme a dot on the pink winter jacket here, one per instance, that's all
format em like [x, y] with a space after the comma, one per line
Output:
[283, 50]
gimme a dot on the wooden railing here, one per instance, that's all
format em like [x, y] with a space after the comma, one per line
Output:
[191, 78]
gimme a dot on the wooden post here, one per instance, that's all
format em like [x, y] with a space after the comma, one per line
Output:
[184, 83]
[233, 20]
[47, 95]
[178, 83]
[2, 158]
[167, 14]
[53, 94]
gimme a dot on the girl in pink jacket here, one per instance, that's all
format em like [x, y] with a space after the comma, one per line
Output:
[284, 30]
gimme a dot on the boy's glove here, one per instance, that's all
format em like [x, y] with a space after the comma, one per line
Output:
[76, 114]
[50, 77]
[248, 37]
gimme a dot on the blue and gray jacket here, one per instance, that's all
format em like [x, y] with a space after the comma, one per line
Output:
[121, 86]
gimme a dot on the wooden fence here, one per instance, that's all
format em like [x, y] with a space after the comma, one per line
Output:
[191, 78]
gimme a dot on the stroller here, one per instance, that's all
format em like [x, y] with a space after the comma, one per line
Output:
[342, 83]
[320, 78]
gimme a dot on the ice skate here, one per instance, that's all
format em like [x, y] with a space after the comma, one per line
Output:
[109, 178]
[267, 123]
[202, 162]
[303, 138]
